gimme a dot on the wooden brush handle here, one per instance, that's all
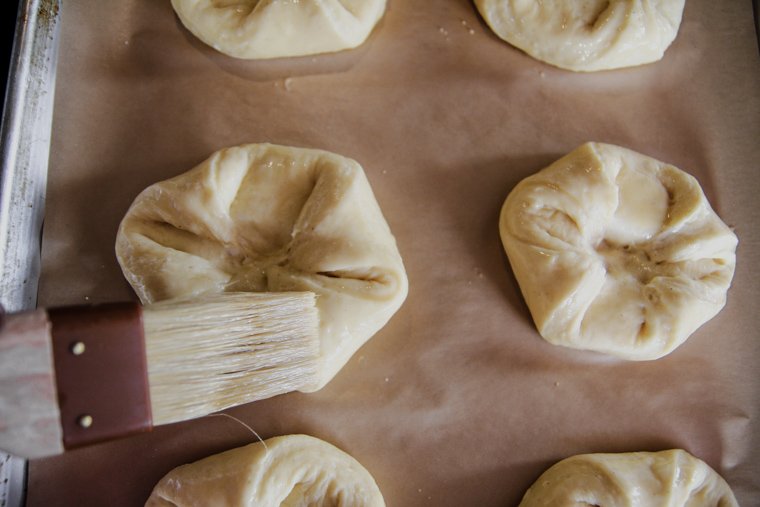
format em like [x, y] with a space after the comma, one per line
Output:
[30, 423]
[71, 377]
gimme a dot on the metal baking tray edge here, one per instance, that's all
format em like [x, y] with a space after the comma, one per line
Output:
[24, 150]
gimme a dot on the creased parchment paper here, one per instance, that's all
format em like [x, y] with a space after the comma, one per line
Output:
[458, 401]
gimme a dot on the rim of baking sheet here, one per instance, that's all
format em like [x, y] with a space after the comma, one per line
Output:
[24, 152]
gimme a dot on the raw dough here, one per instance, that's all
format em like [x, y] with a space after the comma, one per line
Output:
[280, 28]
[586, 35]
[292, 471]
[617, 252]
[261, 217]
[672, 478]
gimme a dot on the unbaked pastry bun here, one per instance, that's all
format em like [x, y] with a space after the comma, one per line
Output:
[586, 35]
[291, 471]
[279, 28]
[617, 252]
[262, 217]
[672, 478]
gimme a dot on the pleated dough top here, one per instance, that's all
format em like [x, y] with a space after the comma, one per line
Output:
[617, 252]
[672, 478]
[291, 471]
[262, 217]
[586, 35]
[280, 28]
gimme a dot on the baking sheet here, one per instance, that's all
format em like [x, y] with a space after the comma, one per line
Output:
[24, 148]
[457, 401]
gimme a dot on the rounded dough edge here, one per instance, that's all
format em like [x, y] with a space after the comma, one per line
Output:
[596, 273]
[672, 477]
[263, 217]
[290, 467]
[586, 36]
[280, 29]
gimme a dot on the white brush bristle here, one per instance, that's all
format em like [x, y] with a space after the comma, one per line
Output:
[223, 350]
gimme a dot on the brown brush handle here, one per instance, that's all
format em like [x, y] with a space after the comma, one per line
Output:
[101, 372]
[71, 377]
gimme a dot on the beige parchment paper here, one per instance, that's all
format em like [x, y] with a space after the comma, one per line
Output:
[457, 401]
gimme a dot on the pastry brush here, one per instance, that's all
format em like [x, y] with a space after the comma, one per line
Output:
[79, 375]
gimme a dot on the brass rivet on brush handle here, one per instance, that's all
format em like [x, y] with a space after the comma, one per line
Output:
[85, 421]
